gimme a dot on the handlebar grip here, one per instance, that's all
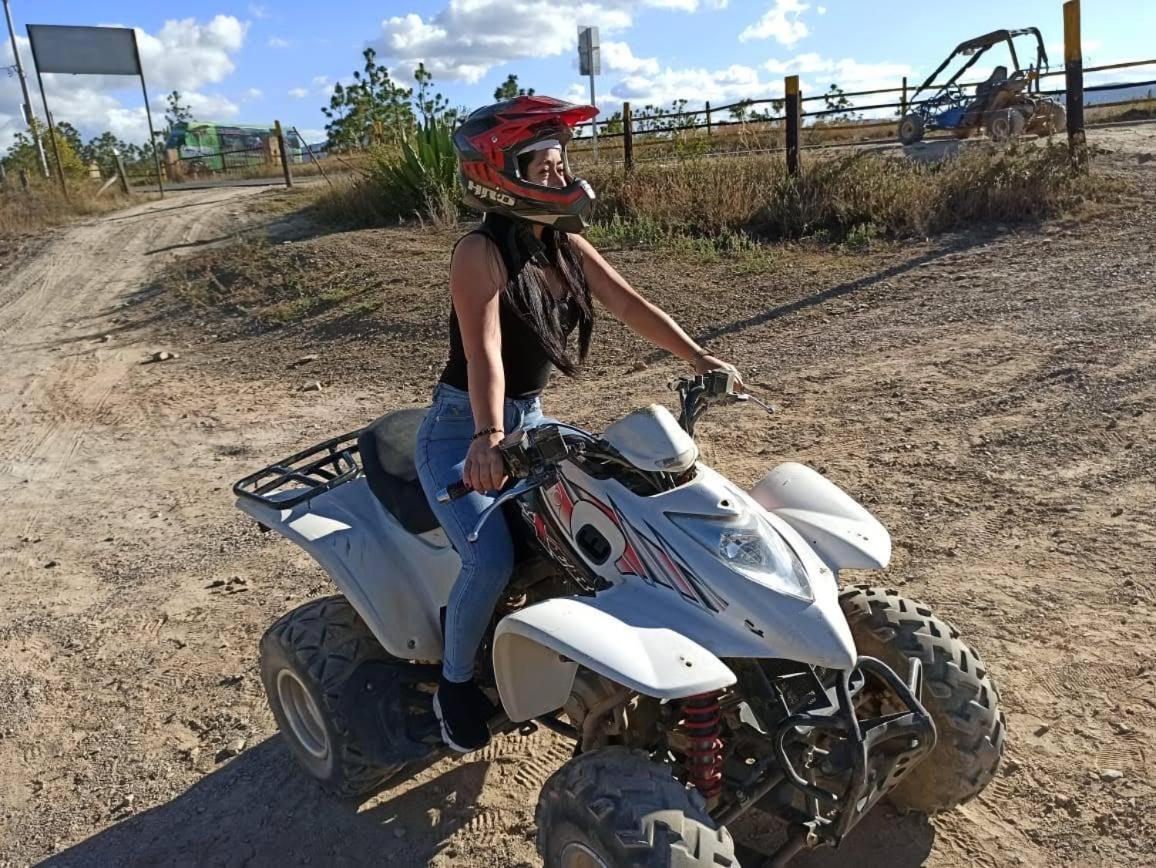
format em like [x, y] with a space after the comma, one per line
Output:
[453, 492]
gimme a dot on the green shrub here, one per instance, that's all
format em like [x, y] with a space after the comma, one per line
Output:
[416, 180]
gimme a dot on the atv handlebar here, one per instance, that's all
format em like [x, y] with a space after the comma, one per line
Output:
[534, 454]
[698, 393]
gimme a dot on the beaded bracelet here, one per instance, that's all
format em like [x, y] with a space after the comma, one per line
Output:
[486, 431]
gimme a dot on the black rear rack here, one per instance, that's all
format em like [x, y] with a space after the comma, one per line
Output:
[307, 474]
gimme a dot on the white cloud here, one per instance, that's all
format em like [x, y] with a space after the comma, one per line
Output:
[321, 81]
[849, 74]
[210, 107]
[468, 38]
[298, 93]
[821, 10]
[278, 42]
[258, 11]
[617, 57]
[183, 55]
[253, 93]
[718, 86]
[782, 22]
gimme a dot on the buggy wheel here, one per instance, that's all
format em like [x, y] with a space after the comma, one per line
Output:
[614, 808]
[306, 659]
[1017, 121]
[958, 693]
[910, 129]
[1059, 119]
[1005, 125]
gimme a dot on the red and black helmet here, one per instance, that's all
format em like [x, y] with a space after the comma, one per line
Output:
[488, 145]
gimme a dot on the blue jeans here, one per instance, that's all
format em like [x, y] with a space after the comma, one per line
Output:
[442, 443]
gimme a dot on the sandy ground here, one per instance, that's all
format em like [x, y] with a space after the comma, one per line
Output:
[990, 396]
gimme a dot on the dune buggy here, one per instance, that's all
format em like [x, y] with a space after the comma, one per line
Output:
[1005, 105]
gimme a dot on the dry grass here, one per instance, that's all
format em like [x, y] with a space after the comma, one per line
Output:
[1138, 110]
[854, 196]
[268, 286]
[360, 201]
[23, 214]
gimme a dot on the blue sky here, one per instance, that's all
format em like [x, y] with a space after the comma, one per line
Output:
[252, 62]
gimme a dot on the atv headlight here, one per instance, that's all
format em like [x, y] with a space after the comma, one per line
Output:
[751, 547]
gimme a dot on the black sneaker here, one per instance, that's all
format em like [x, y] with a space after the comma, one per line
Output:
[462, 709]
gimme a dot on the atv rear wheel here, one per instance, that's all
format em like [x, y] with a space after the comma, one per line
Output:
[910, 129]
[957, 691]
[614, 808]
[306, 659]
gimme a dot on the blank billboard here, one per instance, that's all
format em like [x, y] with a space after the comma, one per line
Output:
[84, 50]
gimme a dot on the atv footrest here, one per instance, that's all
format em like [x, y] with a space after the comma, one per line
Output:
[392, 719]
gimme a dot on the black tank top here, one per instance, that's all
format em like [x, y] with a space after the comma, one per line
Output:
[524, 362]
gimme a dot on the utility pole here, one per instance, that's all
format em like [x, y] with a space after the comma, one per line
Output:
[29, 117]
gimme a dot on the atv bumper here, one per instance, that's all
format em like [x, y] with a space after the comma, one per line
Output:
[870, 755]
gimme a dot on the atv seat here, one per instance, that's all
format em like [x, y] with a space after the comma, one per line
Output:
[998, 76]
[387, 445]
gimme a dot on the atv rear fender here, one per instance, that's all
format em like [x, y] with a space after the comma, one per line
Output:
[842, 533]
[397, 581]
[538, 649]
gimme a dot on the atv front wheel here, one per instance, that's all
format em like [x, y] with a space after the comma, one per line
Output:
[614, 808]
[958, 693]
[306, 659]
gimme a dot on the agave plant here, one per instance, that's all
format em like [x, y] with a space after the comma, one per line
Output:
[420, 178]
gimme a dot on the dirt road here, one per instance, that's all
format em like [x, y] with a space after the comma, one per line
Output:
[991, 397]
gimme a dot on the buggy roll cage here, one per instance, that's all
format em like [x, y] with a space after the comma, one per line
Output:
[979, 46]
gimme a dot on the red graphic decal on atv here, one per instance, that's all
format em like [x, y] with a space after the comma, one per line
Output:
[643, 557]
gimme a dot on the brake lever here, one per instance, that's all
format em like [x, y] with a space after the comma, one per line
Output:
[743, 397]
[506, 496]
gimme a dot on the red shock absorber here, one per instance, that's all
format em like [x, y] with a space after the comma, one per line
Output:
[701, 720]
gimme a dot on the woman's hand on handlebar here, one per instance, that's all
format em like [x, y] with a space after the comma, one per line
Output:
[484, 469]
[704, 363]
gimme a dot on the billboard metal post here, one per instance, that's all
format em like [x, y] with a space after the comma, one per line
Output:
[51, 127]
[149, 114]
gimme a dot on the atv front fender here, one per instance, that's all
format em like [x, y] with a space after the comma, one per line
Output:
[842, 533]
[538, 649]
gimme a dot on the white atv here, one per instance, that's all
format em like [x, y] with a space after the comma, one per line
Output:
[689, 636]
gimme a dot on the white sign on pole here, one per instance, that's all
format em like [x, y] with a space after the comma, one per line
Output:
[84, 50]
[589, 51]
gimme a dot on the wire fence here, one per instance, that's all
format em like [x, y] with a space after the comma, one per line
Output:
[744, 126]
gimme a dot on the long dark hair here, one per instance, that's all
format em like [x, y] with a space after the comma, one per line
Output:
[528, 292]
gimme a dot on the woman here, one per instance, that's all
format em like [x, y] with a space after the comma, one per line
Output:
[521, 283]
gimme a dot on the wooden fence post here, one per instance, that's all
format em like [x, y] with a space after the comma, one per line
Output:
[1074, 69]
[121, 173]
[284, 154]
[3, 179]
[24, 180]
[708, 126]
[627, 137]
[794, 107]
